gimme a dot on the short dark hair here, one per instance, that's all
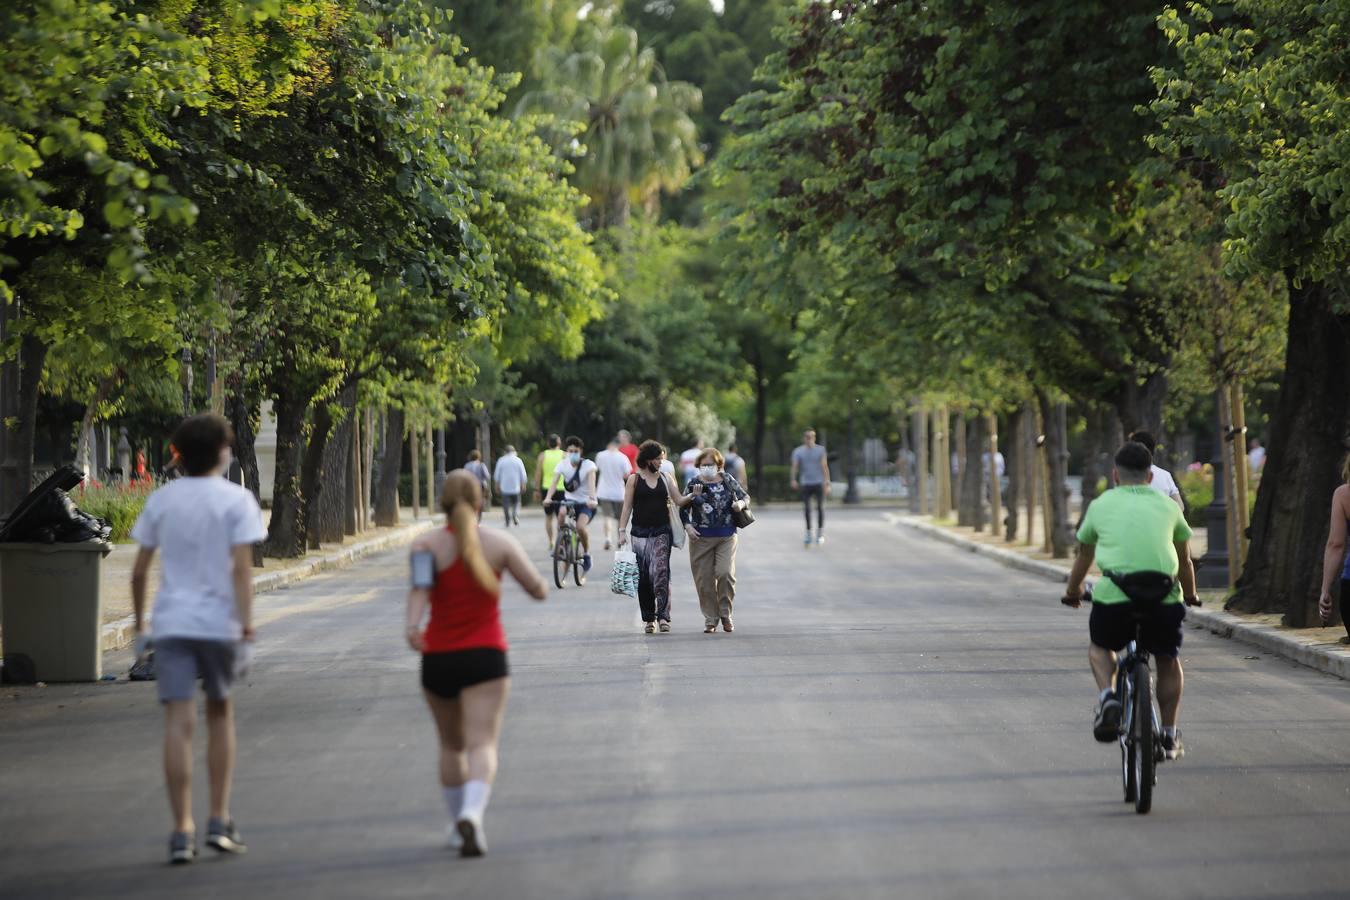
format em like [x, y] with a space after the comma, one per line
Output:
[574, 441]
[1134, 457]
[649, 451]
[553, 440]
[731, 447]
[199, 440]
[1147, 439]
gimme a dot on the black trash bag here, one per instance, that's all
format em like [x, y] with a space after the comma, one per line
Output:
[49, 516]
[18, 668]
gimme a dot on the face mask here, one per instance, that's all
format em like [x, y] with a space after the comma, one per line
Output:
[574, 457]
[709, 472]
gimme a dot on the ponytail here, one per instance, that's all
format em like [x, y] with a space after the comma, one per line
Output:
[460, 498]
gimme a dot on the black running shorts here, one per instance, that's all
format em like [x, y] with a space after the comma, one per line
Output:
[1111, 625]
[446, 674]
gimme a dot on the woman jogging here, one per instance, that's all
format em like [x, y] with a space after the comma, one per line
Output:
[715, 495]
[1336, 560]
[647, 493]
[456, 572]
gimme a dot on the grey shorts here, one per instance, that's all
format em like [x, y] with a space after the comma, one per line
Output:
[179, 662]
[611, 508]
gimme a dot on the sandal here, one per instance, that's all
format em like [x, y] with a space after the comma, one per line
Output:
[650, 628]
[710, 628]
[665, 627]
[726, 624]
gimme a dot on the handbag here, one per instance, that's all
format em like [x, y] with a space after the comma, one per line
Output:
[623, 578]
[677, 532]
[743, 517]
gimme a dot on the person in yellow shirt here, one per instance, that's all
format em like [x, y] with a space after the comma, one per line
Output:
[545, 477]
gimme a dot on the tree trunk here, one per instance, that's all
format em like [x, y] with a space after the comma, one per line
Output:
[1308, 440]
[327, 464]
[1013, 453]
[962, 470]
[972, 472]
[286, 531]
[760, 486]
[391, 466]
[242, 415]
[1140, 406]
[1034, 488]
[1057, 460]
[23, 439]
[1096, 461]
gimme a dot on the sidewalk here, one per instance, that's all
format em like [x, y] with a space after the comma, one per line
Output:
[1315, 648]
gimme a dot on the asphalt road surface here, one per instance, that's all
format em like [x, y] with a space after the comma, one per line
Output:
[892, 718]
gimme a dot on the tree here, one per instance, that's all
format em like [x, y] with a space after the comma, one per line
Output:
[1258, 94]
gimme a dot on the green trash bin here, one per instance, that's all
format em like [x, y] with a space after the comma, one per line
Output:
[51, 609]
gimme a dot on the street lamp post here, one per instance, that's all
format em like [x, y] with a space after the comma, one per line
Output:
[851, 495]
[440, 459]
[1213, 571]
[185, 379]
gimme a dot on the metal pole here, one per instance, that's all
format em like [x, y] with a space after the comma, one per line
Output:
[920, 479]
[995, 482]
[440, 459]
[1213, 571]
[1239, 416]
[185, 379]
[415, 455]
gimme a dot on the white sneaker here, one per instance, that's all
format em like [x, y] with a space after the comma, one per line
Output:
[471, 832]
[807, 539]
[820, 538]
[452, 837]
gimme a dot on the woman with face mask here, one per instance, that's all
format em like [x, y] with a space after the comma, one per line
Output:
[714, 496]
[647, 495]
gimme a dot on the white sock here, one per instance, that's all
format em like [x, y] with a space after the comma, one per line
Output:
[476, 794]
[1106, 692]
[454, 800]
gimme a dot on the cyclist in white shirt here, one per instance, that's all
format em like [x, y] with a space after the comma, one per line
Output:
[1162, 482]
[576, 474]
[614, 469]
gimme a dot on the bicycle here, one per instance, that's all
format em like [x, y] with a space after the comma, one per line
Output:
[567, 550]
[1141, 720]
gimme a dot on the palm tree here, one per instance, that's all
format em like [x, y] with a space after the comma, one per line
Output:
[625, 127]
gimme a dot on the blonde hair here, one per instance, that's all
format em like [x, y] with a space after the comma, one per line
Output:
[461, 496]
[716, 455]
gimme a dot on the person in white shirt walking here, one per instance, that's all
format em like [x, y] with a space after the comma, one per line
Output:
[614, 469]
[204, 528]
[511, 479]
[1162, 482]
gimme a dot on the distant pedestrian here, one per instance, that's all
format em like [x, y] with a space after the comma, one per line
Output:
[735, 463]
[511, 479]
[204, 528]
[1162, 482]
[714, 496]
[546, 478]
[1336, 558]
[628, 448]
[689, 461]
[648, 494]
[1256, 455]
[478, 469]
[456, 575]
[614, 469]
[811, 476]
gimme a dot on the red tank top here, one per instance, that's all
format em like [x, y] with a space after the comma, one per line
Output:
[464, 614]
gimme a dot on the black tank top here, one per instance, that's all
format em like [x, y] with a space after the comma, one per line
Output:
[649, 504]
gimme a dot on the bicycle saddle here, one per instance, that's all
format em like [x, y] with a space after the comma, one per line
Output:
[1144, 588]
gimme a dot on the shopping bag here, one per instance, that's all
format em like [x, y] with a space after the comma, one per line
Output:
[623, 579]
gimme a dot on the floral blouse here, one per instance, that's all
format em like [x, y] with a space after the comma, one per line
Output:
[710, 512]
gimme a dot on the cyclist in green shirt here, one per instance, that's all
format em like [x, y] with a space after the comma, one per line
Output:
[1133, 528]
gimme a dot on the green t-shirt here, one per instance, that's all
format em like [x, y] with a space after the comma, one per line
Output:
[551, 460]
[1134, 529]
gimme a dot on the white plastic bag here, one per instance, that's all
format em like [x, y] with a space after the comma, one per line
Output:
[623, 579]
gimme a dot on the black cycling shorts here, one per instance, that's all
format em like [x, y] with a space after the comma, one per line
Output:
[446, 674]
[1111, 625]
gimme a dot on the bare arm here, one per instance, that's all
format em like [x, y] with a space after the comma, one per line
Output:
[629, 486]
[679, 499]
[140, 578]
[792, 477]
[1185, 570]
[1082, 564]
[1334, 558]
[524, 572]
[242, 573]
[538, 470]
[825, 467]
[590, 487]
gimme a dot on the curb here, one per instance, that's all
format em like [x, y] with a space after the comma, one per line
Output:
[1324, 657]
[119, 634]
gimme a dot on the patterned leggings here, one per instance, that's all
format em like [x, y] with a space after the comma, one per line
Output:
[653, 557]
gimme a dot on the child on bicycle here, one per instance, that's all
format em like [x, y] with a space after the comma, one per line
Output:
[1133, 528]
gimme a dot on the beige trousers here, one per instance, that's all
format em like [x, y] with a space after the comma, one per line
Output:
[713, 561]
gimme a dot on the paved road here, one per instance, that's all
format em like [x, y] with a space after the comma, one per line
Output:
[892, 718]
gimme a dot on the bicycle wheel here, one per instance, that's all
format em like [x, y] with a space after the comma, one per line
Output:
[560, 558]
[578, 562]
[1144, 762]
[1126, 739]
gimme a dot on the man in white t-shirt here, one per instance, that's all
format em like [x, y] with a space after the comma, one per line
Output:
[613, 470]
[576, 475]
[511, 479]
[689, 461]
[1256, 455]
[1162, 482]
[204, 528]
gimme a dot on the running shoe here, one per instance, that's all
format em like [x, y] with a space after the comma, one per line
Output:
[224, 837]
[471, 832]
[182, 849]
[1172, 747]
[1106, 726]
[586, 563]
[650, 628]
[807, 540]
[726, 624]
[820, 538]
[665, 627]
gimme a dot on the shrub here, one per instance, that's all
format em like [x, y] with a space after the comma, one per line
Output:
[119, 505]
